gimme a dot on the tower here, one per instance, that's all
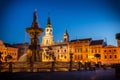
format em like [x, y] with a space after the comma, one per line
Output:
[34, 31]
[47, 39]
[118, 39]
[66, 36]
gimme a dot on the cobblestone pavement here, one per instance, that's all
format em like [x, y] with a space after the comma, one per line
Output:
[98, 74]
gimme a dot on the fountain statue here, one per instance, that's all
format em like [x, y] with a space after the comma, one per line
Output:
[33, 53]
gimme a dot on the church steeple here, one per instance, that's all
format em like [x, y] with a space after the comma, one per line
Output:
[66, 36]
[48, 37]
[48, 20]
[48, 23]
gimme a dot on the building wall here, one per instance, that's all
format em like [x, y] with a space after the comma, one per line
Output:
[110, 55]
[8, 51]
[60, 51]
[95, 49]
[80, 50]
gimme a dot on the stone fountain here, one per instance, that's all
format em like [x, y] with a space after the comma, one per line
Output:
[33, 53]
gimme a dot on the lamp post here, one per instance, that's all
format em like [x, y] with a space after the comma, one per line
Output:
[71, 57]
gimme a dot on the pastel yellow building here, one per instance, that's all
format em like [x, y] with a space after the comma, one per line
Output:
[80, 49]
[95, 47]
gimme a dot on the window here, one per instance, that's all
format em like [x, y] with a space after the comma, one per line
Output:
[110, 56]
[86, 50]
[75, 50]
[80, 50]
[104, 50]
[58, 51]
[86, 55]
[61, 50]
[78, 57]
[114, 50]
[99, 51]
[47, 30]
[92, 50]
[95, 51]
[81, 57]
[46, 41]
[64, 50]
[65, 57]
[109, 50]
[58, 56]
[105, 56]
[115, 56]
[75, 57]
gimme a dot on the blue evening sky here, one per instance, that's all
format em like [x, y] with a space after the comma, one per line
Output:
[97, 19]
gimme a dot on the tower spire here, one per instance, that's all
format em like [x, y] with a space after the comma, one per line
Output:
[35, 16]
[48, 20]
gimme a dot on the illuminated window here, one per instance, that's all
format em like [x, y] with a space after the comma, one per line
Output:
[99, 51]
[92, 51]
[80, 49]
[115, 56]
[109, 50]
[46, 41]
[81, 57]
[114, 50]
[86, 55]
[64, 50]
[105, 56]
[58, 51]
[86, 50]
[75, 57]
[65, 57]
[58, 56]
[110, 56]
[47, 30]
[95, 51]
[104, 50]
[75, 50]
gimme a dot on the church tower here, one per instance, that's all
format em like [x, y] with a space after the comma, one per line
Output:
[66, 36]
[47, 39]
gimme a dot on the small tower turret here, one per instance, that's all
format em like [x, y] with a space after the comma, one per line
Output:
[118, 39]
[66, 36]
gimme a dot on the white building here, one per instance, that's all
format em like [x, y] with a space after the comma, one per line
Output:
[51, 50]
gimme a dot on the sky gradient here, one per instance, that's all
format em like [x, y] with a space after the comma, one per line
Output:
[97, 19]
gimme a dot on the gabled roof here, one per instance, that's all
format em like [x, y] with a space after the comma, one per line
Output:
[96, 42]
[86, 39]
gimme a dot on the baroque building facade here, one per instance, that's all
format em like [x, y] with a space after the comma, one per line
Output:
[53, 50]
[83, 50]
